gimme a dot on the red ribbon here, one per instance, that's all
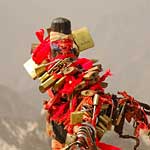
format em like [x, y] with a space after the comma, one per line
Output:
[42, 51]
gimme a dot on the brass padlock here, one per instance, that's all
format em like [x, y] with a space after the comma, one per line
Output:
[90, 75]
[106, 121]
[109, 125]
[100, 124]
[80, 86]
[82, 38]
[44, 77]
[94, 80]
[97, 67]
[105, 106]
[76, 117]
[70, 70]
[59, 83]
[100, 132]
[47, 84]
[40, 70]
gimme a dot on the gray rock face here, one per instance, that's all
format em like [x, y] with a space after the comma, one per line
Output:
[19, 130]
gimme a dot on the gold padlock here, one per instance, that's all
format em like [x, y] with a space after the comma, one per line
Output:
[100, 132]
[80, 86]
[40, 70]
[105, 106]
[70, 70]
[59, 83]
[102, 119]
[109, 125]
[97, 67]
[76, 117]
[83, 39]
[90, 75]
[94, 80]
[106, 121]
[47, 84]
[44, 77]
[100, 124]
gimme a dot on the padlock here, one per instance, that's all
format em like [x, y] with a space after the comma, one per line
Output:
[97, 67]
[100, 132]
[87, 93]
[47, 84]
[94, 80]
[105, 121]
[105, 106]
[70, 70]
[76, 117]
[100, 124]
[40, 70]
[80, 86]
[90, 75]
[44, 77]
[109, 125]
[83, 39]
[59, 83]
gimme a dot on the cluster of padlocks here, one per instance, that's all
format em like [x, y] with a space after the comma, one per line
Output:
[79, 105]
[93, 106]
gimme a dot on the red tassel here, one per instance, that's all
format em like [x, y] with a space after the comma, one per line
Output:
[42, 51]
[74, 104]
[70, 84]
[64, 117]
[40, 35]
[50, 93]
[107, 73]
[60, 111]
[142, 126]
